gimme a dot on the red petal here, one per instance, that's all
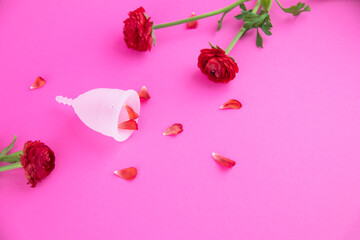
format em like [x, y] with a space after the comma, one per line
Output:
[39, 82]
[129, 125]
[193, 24]
[127, 173]
[144, 94]
[132, 114]
[174, 129]
[223, 160]
[232, 103]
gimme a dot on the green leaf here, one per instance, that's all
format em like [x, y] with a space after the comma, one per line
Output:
[242, 6]
[259, 39]
[221, 20]
[296, 9]
[212, 46]
[11, 158]
[307, 8]
[254, 20]
[266, 29]
[266, 4]
[8, 148]
[268, 23]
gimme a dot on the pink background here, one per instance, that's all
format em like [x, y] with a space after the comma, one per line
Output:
[296, 140]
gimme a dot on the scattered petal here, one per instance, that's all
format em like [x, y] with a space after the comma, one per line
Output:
[129, 125]
[174, 129]
[193, 24]
[223, 160]
[144, 94]
[132, 114]
[127, 173]
[39, 82]
[232, 103]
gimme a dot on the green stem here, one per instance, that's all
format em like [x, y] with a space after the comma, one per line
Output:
[186, 20]
[11, 158]
[279, 4]
[241, 32]
[10, 166]
[221, 19]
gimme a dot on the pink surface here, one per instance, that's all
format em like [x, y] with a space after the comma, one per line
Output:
[296, 140]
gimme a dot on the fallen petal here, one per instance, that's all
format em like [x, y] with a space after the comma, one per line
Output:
[174, 129]
[39, 82]
[232, 103]
[127, 173]
[129, 125]
[144, 94]
[193, 24]
[132, 114]
[223, 160]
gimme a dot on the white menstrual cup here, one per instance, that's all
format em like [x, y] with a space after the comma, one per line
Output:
[102, 109]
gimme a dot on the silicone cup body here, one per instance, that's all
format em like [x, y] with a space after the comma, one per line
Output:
[102, 109]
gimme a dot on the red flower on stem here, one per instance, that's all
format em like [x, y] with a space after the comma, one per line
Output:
[138, 30]
[217, 65]
[38, 161]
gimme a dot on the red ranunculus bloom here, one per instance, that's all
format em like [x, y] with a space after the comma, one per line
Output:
[218, 66]
[137, 30]
[38, 161]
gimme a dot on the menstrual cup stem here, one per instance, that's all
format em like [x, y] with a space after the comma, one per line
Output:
[64, 100]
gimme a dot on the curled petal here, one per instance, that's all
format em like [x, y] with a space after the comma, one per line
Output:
[132, 114]
[39, 82]
[174, 129]
[127, 173]
[223, 160]
[144, 94]
[128, 125]
[193, 24]
[232, 103]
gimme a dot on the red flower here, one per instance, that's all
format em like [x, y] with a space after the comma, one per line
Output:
[38, 161]
[137, 30]
[218, 66]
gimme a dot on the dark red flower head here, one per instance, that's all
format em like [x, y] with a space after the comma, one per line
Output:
[38, 161]
[218, 66]
[137, 30]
